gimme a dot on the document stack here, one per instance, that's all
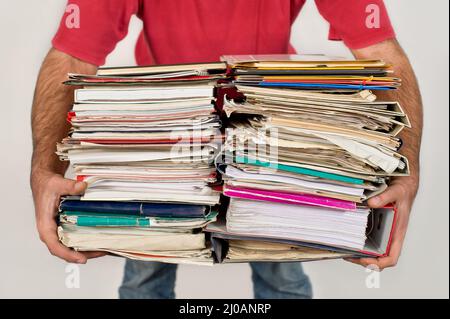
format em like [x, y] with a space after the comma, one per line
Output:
[143, 139]
[310, 144]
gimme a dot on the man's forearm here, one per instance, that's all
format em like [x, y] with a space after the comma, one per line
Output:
[52, 101]
[410, 99]
[408, 95]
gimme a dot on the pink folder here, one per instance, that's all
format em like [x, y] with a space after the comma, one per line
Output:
[288, 198]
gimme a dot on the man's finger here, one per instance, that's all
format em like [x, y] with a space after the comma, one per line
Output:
[387, 262]
[353, 261]
[70, 187]
[394, 254]
[381, 262]
[390, 195]
[93, 254]
[363, 261]
[50, 238]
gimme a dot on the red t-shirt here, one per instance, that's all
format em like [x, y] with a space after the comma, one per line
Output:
[182, 31]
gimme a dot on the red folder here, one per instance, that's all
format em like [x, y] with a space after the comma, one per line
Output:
[381, 232]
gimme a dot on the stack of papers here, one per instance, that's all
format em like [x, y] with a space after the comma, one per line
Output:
[309, 145]
[302, 223]
[144, 140]
[252, 250]
[311, 72]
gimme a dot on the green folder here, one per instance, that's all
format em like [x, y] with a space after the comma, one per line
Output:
[300, 170]
[112, 221]
[105, 219]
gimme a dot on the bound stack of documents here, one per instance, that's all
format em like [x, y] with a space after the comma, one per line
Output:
[143, 139]
[305, 150]
[307, 144]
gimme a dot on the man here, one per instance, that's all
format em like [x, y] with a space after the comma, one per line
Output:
[200, 31]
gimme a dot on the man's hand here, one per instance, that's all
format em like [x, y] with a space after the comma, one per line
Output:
[47, 189]
[401, 193]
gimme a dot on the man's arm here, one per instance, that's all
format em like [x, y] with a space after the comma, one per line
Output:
[52, 101]
[402, 190]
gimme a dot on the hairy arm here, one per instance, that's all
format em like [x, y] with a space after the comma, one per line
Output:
[408, 95]
[52, 101]
[402, 190]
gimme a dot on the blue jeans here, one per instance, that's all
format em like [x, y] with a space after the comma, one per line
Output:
[153, 280]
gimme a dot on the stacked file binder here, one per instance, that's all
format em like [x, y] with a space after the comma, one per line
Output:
[143, 139]
[310, 144]
[306, 144]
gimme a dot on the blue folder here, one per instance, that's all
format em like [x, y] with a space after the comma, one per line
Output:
[325, 86]
[134, 208]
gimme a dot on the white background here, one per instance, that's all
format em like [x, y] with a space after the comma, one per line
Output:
[26, 268]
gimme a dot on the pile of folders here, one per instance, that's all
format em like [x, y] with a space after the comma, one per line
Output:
[144, 140]
[296, 146]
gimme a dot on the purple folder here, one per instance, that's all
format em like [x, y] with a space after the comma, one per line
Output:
[288, 198]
